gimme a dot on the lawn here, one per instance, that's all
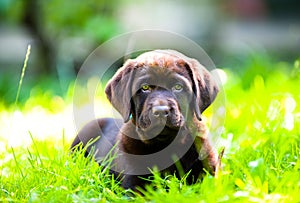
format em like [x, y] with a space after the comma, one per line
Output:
[261, 137]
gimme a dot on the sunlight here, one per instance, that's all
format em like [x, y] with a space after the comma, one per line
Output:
[42, 124]
[289, 106]
[16, 126]
[235, 113]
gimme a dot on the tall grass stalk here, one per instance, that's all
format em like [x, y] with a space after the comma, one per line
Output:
[23, 73]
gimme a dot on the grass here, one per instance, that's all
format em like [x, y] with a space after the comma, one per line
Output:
[261, 162]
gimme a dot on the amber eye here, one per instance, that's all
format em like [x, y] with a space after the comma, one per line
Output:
[178, 87]
[145, 88]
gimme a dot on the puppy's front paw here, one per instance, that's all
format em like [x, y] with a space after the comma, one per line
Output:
[209, 157]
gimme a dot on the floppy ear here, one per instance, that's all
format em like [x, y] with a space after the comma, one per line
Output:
[118, 90]
[205, 88]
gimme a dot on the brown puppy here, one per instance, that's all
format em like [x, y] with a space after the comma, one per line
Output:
[160, 95]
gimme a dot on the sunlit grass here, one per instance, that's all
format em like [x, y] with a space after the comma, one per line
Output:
[45, 116]
[261, 138]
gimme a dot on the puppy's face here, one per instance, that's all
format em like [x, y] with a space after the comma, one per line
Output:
[160, 102]
[159, 91]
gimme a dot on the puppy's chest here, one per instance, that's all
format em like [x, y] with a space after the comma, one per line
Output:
[184, 148]
[134, 146]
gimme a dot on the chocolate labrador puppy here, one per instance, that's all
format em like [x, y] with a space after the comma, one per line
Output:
[160, 95]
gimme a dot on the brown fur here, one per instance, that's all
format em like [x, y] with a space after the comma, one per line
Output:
[177, 128]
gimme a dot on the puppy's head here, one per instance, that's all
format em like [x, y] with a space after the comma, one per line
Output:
[161, 89]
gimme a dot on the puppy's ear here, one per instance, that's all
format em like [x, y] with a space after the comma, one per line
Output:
[118, 89]
[205, 87]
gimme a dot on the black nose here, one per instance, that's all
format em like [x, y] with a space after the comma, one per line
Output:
[160, 111]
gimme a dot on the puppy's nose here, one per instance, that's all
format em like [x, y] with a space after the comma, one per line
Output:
[160, 111]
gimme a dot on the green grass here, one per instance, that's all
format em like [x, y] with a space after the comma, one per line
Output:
[261, 163]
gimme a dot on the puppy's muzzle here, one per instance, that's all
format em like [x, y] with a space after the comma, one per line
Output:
[161, 111]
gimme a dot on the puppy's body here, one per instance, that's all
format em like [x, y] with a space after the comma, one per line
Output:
[111, 138]
[160, 96]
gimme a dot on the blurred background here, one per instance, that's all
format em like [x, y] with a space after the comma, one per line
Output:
[63, 33]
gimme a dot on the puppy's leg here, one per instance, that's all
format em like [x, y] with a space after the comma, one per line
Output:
[90, 131]
[209, 157]
[99, 135]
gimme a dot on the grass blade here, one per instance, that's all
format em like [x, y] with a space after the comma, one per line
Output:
[17, 163]
[23, 73]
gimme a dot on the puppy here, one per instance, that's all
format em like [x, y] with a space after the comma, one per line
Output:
[160, 95]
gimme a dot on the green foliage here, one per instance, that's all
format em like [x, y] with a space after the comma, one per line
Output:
[11, 10]
[261, 161]
[93, 19]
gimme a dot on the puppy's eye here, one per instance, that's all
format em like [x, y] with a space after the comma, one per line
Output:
[145, 88]
[178, 87]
